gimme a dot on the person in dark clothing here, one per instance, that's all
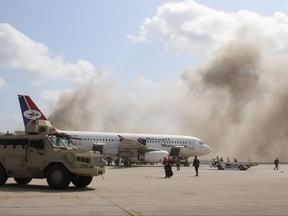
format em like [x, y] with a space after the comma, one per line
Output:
[178, 164]
[276, 162]
[167, 167]
[196, 164]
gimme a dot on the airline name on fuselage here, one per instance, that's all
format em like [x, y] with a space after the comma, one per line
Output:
[157, 139]
[171, 146]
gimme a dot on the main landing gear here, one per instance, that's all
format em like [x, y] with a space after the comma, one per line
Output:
[120, 161]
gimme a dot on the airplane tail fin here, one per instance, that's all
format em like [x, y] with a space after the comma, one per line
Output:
[29, 109]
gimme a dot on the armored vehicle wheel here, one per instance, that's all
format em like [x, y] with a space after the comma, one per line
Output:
[81, 181]
[23, 181]
[58, 177]
[3, 176]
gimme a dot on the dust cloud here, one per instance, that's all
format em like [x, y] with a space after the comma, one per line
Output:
[236, 102]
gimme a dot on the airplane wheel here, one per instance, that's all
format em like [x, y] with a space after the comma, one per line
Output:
[186, 164]
[116, 162]
[127, 163]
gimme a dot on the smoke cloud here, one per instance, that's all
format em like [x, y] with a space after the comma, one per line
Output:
[236, 102]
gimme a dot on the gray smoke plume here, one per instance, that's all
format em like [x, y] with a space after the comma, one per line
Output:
[236, 103]
[247, 95]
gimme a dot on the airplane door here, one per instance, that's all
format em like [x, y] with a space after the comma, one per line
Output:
[98, 147]
[175, 151]
[35, 154]
[190, 145]
[191, 148]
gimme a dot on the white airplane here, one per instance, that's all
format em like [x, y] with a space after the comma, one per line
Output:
[126, 147]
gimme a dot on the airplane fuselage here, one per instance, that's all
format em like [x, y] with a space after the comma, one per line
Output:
[189, 146]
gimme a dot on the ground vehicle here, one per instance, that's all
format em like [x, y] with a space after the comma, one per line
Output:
[184, 161]
[221, 165]
[42, 154]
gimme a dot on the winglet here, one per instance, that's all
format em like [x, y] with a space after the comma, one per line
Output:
[121, 138]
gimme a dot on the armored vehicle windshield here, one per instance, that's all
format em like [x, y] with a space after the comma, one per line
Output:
[61, 142]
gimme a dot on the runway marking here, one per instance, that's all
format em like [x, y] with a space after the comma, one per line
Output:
[133, 213]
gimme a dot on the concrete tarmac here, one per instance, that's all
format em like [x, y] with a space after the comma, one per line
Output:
[143, 190]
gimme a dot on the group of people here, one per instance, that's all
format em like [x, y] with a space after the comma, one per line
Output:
[168, 166]
[217, 159]
[235, 160]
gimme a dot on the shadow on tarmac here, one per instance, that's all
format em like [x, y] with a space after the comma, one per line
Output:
[14, 187]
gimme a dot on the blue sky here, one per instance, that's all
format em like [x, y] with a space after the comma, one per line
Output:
[105, 36]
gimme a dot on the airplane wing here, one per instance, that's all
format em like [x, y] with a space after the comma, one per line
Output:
[129, 144]
[15, 133]
[135, 146]
[20, 132]
[131, 147]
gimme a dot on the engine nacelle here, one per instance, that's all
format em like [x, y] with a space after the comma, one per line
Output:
[153, 156]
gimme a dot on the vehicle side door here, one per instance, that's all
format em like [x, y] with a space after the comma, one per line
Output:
[35, 153]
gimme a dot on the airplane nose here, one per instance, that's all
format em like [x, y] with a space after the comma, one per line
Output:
[207, 149]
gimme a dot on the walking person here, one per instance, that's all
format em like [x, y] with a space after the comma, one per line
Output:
[196, 164]
[170, 172]
[167, 167]
[178, 164]
[276, 162]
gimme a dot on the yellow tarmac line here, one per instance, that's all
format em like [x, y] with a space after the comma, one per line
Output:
[35, 196]
[69, 197]
[133, 213]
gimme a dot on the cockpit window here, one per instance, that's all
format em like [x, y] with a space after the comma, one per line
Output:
[201, 143]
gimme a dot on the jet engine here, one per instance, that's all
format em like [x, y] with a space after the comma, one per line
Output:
[153, 156]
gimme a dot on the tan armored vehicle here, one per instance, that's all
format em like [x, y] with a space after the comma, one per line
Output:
[41, 153]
